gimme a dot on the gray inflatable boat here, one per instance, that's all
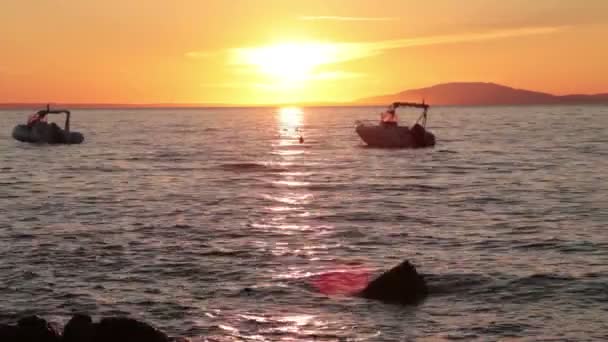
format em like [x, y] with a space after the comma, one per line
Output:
[391, 135]
[42, 132]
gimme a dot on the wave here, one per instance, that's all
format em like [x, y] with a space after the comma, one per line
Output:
[563, 246]
[449, 283]
[251, 167]
[97, 168]
[407, 187]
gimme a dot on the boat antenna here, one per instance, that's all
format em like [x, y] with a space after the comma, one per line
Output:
[423, 116]
[424, 113]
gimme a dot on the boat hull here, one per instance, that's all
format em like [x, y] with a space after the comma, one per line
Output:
[395, 136]
[46, 133]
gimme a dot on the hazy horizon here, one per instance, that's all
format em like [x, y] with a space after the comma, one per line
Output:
[356, 103]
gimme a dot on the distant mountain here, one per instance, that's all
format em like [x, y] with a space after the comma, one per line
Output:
[481, 94]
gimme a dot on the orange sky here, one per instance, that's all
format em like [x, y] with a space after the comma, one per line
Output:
[280, 51]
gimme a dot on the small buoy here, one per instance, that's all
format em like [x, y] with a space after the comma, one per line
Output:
[301, 140]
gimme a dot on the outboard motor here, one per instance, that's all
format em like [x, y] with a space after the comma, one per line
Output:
[419, 134]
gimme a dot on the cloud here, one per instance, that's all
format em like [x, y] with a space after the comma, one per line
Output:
[291, 65]
[273, 85]
[335, 75]
[248, 85]
[340, 51]
[464, 38]
[224, 85]
[340, 18]
[200, 54]
[309, 54]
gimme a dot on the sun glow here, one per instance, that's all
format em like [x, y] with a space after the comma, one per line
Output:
[289, 62]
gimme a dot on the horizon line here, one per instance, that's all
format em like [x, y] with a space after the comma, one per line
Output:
[26, 106]
[167, 105]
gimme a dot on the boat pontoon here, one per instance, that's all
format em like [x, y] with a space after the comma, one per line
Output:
[42, 132]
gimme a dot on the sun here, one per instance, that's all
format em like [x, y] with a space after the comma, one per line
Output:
[288, 62]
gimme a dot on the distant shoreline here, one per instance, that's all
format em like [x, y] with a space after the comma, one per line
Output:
[6, 107]
[485, 94]
[455, 94]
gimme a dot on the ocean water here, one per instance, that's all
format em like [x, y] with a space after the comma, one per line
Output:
[220, 224]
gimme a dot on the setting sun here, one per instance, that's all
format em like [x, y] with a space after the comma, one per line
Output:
[288, 63]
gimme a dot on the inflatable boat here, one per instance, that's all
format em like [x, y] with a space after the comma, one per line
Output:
[39, 131]
[388, 134]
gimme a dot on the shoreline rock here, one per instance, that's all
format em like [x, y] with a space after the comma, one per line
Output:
[81, 328]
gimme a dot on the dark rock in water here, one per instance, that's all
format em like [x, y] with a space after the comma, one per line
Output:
[80, 328]
[8, 332]
[248, 291]
[122, 329]
[36, 329]
[400, 285]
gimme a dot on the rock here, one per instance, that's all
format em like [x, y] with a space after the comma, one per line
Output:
[36, 329]
[8, 332]
[80, 328]
[122, 329]
[248, 291]
[400, 285]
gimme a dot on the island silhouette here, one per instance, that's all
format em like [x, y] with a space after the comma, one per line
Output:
[481, 94]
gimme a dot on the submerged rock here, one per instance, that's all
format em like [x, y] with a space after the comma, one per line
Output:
[122, 329]
[36, 329]
[400, 285]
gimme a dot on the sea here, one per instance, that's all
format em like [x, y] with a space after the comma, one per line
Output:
[220, 224]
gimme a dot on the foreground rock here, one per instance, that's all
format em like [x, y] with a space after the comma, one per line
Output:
[127, 330]
[81, 328]
[30, 329]
[8, 332]
[400, 285]
[34, 328]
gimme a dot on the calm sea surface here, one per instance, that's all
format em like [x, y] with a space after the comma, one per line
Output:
[218, 222]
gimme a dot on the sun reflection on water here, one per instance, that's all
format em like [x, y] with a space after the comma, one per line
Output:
[290, 117]
[290, 207]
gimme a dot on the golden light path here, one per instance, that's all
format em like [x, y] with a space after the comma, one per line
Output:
[290, 195]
